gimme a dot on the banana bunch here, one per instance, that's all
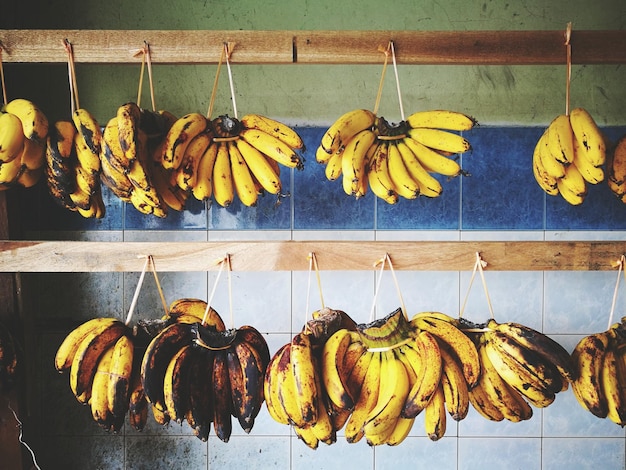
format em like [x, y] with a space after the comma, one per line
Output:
[519, 367]
[393, 160]
[227, 157]
[569, 155]
[131, 144]
[203, 373]
[9, 361]
[23, 134]
[616, 168]
[103, 374]
[294, 393]
[600, 362]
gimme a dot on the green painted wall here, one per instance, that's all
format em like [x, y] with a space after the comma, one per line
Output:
[315, 94]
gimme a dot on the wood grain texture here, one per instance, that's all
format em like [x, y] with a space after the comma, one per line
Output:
[316, 47]
[80, 256]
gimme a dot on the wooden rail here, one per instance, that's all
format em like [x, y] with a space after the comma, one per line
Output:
[86, 256]
[315, 47]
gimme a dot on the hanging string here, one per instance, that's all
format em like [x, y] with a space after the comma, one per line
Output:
[158, 284]
[379, 94]
[4, 90]
[395, 69]
[149, 63]
[141, 74]
[620, 265]
[568, 47]
[313, 266]
[215, 81]
[133, 303]
[20, 437]
[230, 79]
[210, 299]
[382, 268]
[478, 266]
[146, 61]
[230, 291]
[74, 103]
[395, 281]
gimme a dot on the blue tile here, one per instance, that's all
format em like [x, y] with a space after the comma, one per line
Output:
[423, 213]
[501, 193]
[322, 204]
[193, 217]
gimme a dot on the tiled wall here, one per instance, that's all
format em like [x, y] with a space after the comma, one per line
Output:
[498, 201]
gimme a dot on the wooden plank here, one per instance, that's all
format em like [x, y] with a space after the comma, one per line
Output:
[462, 47]
[317, 47]
[166, 47]
[73, 256]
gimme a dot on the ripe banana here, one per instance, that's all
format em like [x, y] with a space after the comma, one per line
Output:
[378, 177]
[441, 140]
[435, 415]
[404, 182]
[200, 399]
[89, 129]
[222, 401]
[203, 187]
[243, 181]
[272, 384]
[223, 187]
[613, 387]
[246, 374]
[428, 374]
[368, 397]
[591, 174]
[275, 128]
[344, 128]
[273, 148]
[333, 356]
[303, 368]
[34, 121]
[588, 357]
[120, 374]
[552, 166]
[428, 185]
[441, 119]
[544, 179]
[617, 169]
[178, 137]
[266, 174]
[572, 186]
[454, 385]
[11, 137]
[431, 160]
[354, 161]
[589, 138]
[176, 383]
[561, 139]
[187, 172]
[334, 167]
[98, 394]
[127, 118]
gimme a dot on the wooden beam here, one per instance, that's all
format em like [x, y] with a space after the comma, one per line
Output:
[80, 256]
[316, 47]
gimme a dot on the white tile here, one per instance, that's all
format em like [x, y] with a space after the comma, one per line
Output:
[250, 452]
[337, 456]
[418, 452]
[585, 453]
[499, 453]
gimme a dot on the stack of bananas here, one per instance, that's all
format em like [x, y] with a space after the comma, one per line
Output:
[227, 157]
[519, 367]
[381, 375]
[130, 144]
[394, 160]
[100, 357]
[616, 169]
[73, 164]
[600, 362]
[204, 373]
[569, 155]
[23, 134]
[8, 359]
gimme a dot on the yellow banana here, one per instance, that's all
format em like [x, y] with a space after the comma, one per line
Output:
[545, 180]
[378, 177]
[272, 384]
[429, 374]
[334, 167]
[612, 387]
[321, 156]
[428, 185]
[265, 173]
[572, 186]
[617, 168]
[344, 128]
[441, 119]
[590, 140]
[176, 383]
[273, 148]
[87, 159]
[120, 370]
[553, 167]
[34, 121]
[394, 388]
[203, 186]
[29, 178]
[127, 117]
[304, 374]
[307, 435]
[400, 431]
[438, 139]
[435, 416]
[404, 182]
[243, 180]
[561, 139]
[178, 137]
[223, 188]
[89, 129]
[455, 388]
[368, 397]
[353, 161]
[187, 172]
[11, 137]
[483, 403]
[99, 397]
[273, 127]
[112, 149]
[588, 357]
[333, 354]
[591, 174]
[431, 160]
[10, 171]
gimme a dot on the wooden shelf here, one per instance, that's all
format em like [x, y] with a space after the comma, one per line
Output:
[316, 47]
[81, 256]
